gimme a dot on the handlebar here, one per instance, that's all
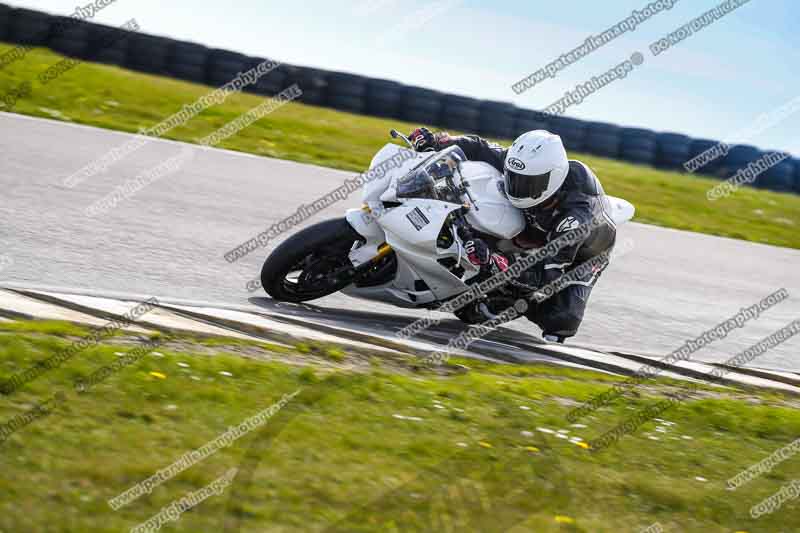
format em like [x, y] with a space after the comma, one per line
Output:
[397, 135]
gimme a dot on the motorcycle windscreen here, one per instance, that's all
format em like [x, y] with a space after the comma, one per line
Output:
[447, 164]
[417, 184]
[429, 180]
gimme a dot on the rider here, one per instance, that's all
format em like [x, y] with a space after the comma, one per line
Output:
[556, 195]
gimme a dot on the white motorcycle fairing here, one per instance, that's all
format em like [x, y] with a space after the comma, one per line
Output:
[412, 230]
[427, 273]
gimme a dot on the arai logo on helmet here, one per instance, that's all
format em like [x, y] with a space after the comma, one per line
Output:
[515, 163]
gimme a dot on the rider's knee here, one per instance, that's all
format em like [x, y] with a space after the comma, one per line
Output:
[562, 323]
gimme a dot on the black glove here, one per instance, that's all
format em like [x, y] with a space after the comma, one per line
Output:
[478, 252]
[423, 140]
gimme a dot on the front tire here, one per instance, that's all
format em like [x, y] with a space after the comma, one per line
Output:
[311, 263]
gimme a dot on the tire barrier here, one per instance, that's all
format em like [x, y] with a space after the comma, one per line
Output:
[148, 54]
[638, 145]
[384, 98]
[529, 120]
[461, 113]
[779, 178]
[422, 106]
[796, 175]
[29, 27]
[313, 82]
[223, 66]
[5, 22]
[603, 139]
[187, 61]
[270, 83]
[101, 51]
[347, 92]
[72, 40]
[672, 150]
[697, 147]
[738, 157]
[197, 63]
[497, 119]
[572, 132]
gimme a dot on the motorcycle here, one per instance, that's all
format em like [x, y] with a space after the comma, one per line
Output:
[405, 246]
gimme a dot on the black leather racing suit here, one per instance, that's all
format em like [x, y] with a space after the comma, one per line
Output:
[579, 201]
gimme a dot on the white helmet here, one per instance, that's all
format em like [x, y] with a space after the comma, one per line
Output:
[535, 168]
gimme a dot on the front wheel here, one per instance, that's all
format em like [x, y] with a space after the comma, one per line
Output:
[311, 263]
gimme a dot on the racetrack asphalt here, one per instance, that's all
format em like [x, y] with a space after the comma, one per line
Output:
[169, 240]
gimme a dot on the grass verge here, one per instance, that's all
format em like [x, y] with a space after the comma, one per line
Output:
[372, 445]
[113, 98]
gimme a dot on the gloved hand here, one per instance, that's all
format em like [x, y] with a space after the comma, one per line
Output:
[478, 252]
[499, 262]
[423, 140]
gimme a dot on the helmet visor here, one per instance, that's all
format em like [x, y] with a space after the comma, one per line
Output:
[522, 186]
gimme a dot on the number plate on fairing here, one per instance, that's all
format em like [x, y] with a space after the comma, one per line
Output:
[418, 219]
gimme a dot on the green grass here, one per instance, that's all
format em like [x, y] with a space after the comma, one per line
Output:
[337, 454]
[113, 98]
[51, 327]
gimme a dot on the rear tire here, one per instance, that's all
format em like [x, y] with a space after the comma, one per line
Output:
[315, 253]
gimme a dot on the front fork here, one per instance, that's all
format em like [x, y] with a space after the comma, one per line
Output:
[375, 247]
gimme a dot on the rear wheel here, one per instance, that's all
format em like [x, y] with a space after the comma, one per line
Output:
[311, 263]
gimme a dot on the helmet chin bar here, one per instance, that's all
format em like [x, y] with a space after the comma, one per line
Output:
[551, 202]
